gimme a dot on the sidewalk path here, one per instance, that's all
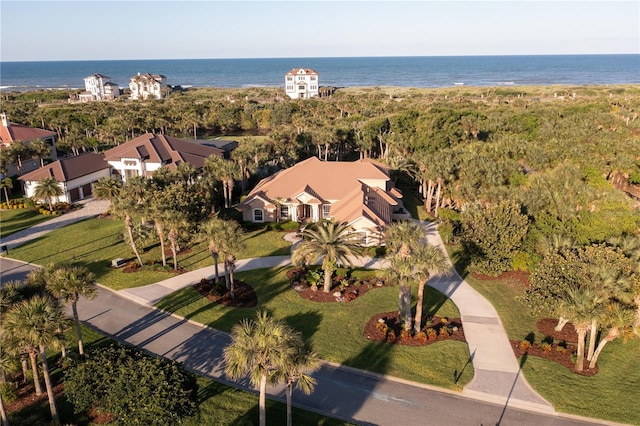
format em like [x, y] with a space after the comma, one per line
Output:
[90, 208]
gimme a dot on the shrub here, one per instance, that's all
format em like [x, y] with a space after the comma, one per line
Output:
[546, 347]
[525, 345]
[444, 332]
[431, 334]
[405, 334]
[391, 336]
[133, 387]
[9, 391]
[382, 327]
[421, 337]
[561, 349]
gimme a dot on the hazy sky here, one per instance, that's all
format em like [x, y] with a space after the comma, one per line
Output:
[87, 30]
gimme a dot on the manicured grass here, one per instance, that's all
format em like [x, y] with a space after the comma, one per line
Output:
[612, 394]
[94, 243]
[16, 220]
[219, 404]
[336, 329]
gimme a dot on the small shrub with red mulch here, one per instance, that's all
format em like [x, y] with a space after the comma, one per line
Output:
[245, 295]
[430, 332]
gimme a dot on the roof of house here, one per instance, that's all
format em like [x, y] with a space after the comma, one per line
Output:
[163, 149]
[297, 71]
[18, 132]
[69, 168]
[98, 76]
[347, 186]
[223, 144]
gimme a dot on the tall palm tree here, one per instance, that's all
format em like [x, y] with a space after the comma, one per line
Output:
[107, 188]
[177, 225]
[68, 283]
[6, 183]
[331, 242]
[46, 189]
[40, 149]
[401, 271]
[303, 362]
[37, 321]
[225, 171]
[428, 259]
[402, 238]
[126, 206]
[261, 349]
[213, 231]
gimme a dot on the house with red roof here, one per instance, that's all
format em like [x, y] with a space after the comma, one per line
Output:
[75, 175]
[13, 132]
[145, 154]
[360, 193]
[301, 83]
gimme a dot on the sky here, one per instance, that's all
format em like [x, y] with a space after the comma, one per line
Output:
[107, 30]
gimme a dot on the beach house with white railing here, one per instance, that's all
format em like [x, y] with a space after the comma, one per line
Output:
[301, 83]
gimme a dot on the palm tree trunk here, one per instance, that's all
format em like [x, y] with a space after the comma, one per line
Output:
[611, 335]
[289, 392]
[232, 288]
[174, 252]
[327, 279]
[160, 230]
[417, 325]
[3, 413]
[74, 307]
[561, 323]
[592, 339]
[582, 332]
[129, 224]
[263, 400]
[6, 195]
[438, 192]
[227, 283]
[406, 301]
[47, 381]
[36, 376]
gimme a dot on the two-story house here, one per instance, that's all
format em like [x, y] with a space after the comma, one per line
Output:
[99, 88]
[301, 83]
[14, 132]
[144, 86]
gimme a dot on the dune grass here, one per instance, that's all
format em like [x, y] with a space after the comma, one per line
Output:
[336, 329]
[612, 394]
[94, 243]
[12, 221]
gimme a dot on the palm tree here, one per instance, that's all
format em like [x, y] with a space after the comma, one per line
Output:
[4, 184]
[37, 321]
[262, 349]
[214, 231]
[402, 238]
[126, 206]
[46, 189]
[428, 259]
[303, 362]
[6, 364]
[401, 271]
[40, 149]
[178, 226]
[331, 242]
[107, 188]
[619, 319]
[68, 283]
[226, 172]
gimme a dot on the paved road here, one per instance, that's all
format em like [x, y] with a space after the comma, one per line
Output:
[13, 270]
[341, 392]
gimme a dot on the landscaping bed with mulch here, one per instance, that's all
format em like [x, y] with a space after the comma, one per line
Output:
[244, 294]
[385, 327]
[343, 288]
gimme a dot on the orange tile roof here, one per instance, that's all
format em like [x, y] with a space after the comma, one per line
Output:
[307, 71]
[18, 132]
[69, 168]
[163, 149]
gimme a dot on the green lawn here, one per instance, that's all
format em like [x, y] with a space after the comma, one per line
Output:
[96, 242]
[219, 404]
[336, 329]
[612, 394]
[16, 220]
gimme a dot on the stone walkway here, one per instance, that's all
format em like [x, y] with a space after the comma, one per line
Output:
[90, 208]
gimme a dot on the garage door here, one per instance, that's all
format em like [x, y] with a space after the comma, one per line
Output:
[86, 190]
[74, 195]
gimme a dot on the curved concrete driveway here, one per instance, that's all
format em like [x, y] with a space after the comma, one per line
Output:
[497, 373]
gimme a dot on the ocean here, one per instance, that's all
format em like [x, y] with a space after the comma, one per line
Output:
[424, 72]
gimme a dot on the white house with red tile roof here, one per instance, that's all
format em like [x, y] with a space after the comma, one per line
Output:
[301, 83]
[145, 154]
[99, 88]
[144, 86]
[359, 193]
[76, 176]
[13, 132]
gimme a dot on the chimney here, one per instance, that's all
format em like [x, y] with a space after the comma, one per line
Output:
[5, 120]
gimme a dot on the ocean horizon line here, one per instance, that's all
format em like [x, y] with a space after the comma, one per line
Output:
[523, 55]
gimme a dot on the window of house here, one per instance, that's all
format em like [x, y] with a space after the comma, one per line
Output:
[258, 215]
[284, 212]
[326, 210]
[301, 87]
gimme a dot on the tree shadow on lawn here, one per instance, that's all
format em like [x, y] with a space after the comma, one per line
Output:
[308, 323]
